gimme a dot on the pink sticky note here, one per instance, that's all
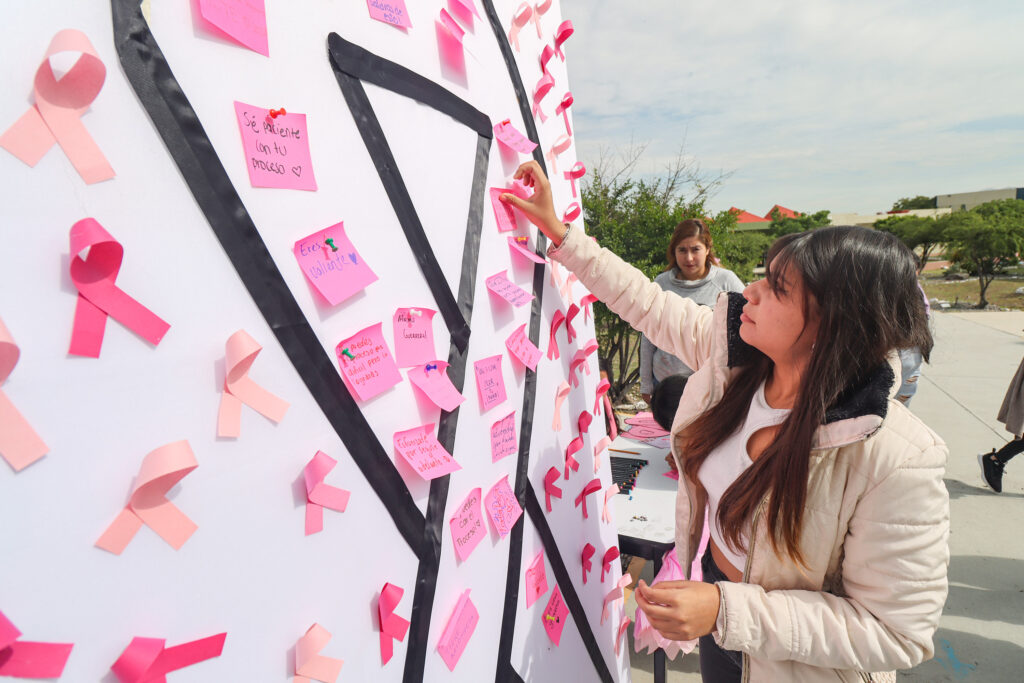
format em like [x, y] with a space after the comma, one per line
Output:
[503, 437]
[432, 379]
[332, 265]
[424, 453]
[509, 136]
[555, 615]
[276, 149]
[392, 12]
[490, 383]
[502, 507]
[468, 6]
[414, 336]
[522, 349]
[517, 245]
[458, 631]
[244, 20]
[536, 580]
[504, 214]
[366, 363]
[508, 290]
[467, 525]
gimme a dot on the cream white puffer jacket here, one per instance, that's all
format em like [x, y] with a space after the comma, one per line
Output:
[876, 525]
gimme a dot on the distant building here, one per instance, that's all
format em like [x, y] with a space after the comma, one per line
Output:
[748, 221]
[867, 220]
[964, 201]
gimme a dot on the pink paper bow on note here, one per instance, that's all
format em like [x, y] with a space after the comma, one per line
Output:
[565, 30]
[623, 625]
[543, 87]
[563, 143]
[59, 105]
[602, 388]
[609, 493]
[539, 10]
[588, 552]
[320, 495]
[592, 487]
[556, 322]
[98, 296]
[20, 445]
[572, 212]
[577, 171]
[601, 445]
[610, 556]
[616, 594]
[563, 109]
[520, 19]
[550, 489]
[240, 353]
[309, 663]
[161, 470]
[26, 659]
[146, 660]
[585, 303]
[392, 626]
[576, 445]
[569, 316]
[561, 394]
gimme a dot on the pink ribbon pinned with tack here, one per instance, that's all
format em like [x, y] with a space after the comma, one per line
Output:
[578, 171]
[521, 17]
[543, 87]
[610, 556]
[556, 322]
[609, 493]
[99, 297]
[320, 495]
[20, 445]
[161, 470]
[240, 353]
[563, 143]
[392, 626]
[585, 303]
[551, 490]
[59, 105]
[565, 30]
[602, 388]
[539, 10]
[569, 316]
[576, 445]
[563, 109]
[146, 660]
[615, 594]
[593, 487]
[560, 396]
[26, 659]
[588, 552]
[309, 663]
[598, 449]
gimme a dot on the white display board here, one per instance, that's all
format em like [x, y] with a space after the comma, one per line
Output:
[211, 254]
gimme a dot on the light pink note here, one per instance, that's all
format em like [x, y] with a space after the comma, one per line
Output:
[458, 631]
[467, 525]
[276, 149]
[432, 379]
[518, 247]
[244, 20]
[366, 363]
[555, 615]
[424, 453]
[504, 214]
[509, 136]
[392, 12]
[503, 437]
[500, 285]
[502, 507]
[490, 383]
[522, 349]
[414, 336]
[332, 265]
[536, 580]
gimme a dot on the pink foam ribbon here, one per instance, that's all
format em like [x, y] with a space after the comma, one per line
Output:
[521, 17]
[576, 445]
[161, 470]
[318, 494]
[560, 396]
[598, 449]
[539, 10]
[566, 289]
[392, 626]
[602, 388]
[543, 87]
[450, 25]
[609, 493]
[20, 445]
[592, 487]
[570, 314]
[563, 109]
[556, 322]
[623, 625]
[577, 171]
[572, 212]
[585, 304]
[565, 30]
[551, 490]
[610, 556]
[309, 663]
[616, 594]
[99, 297]
[613, 426]
[563, 143]
[240, 353]
[588, 552]
[59, 105]
[26, 659]
[146, 660]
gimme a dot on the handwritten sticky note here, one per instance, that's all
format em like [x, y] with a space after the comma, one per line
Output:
[244, 20]
[555, 615]
[366, 363]
[500, 285]
[276, 149]
[536, 580]
[392, 12]
[332, 265]
[522, 349]
[458, 631]
[503, 437]
[490, 383]
[504, 214]
[502, 507]
[517, 245]
[424, 453]
[414, 336]
[467, 525]
[432, 379]
[509, 136]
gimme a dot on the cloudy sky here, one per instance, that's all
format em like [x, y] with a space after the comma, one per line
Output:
[813, 104]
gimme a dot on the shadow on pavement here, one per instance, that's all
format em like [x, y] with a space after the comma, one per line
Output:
[958, 489]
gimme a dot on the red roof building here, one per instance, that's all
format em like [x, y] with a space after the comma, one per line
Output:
[747, 217]
[783, 211]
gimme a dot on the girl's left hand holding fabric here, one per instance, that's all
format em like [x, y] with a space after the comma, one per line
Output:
[680, 610]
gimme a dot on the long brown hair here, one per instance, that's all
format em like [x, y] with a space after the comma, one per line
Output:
[862, 285]
[691, 227]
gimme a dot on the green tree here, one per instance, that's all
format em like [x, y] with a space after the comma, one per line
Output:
[918, 202]
[741, 252]
[916, 232]
[783, 225]
[986, 239]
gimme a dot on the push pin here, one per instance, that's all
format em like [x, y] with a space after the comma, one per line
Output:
[521, 240]
[506, 122]
[416, 312]
[346, 352]
[330, 242]
[550, 617]
[274, 113]
[429, 366]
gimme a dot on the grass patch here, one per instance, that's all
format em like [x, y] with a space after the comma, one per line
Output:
[1001, 292]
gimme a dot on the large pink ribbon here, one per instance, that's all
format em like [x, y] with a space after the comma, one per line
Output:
[320, 495]
[551, 490]
[572, 212]
[240, 353]
[563, 109]
[616, 594]
[560, 396]
[520, 19]
[59, 105]
[543, 87]
[161, 470]
[20, 445]
[609, 493]
[585, 557]
[539, 10]
[569, 316]
[26, 659]
[585, 304]
[602, 388]
[576, 445]
[146, 660]
[598, 449]
[610, 556]
[577, 171]
[392, 626]
[556, 322]
[560, 145]
[592, 487]
[565, 30]
[99, 297]
[309, 663]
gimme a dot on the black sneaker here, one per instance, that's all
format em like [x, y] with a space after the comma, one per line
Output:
[991, 471]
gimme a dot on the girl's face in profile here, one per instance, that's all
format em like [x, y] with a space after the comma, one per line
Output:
[692, 258]
[774, 322]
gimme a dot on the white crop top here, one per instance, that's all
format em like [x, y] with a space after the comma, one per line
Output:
[728, 461]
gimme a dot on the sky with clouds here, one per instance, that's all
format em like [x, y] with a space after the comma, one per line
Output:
[812, 104]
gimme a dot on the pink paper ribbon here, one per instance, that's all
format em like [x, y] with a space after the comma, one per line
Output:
[565, 30]
[572, 212]
[592, 487]
[20, 445]
[392, 626]
[161, 470]
[578, 171]
[556, 322]
[240, 353]
[602, 388]
[570, 314]
[576, 445]
[610, 556]
[585, 304]
[588, 552]
[579, 360]
[543, 87]
[318, 494]
[26, 659]
[560, 396]
[450, 25]
[545, 56]
[556, 275]
[59, 105]
[566, 290]
[598, 449]
[609, 493]
[521, 17]
[623, 625]
[616, 594]
[612, 424]
[309, 663]
[99, 297]
[551, 490]
[563, 109]
[539, 10]
[563, 143]
[146, 660]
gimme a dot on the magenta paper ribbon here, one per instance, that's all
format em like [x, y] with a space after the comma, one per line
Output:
[450, 25]
[320, 495]
[576, 445]
[592, 487]
[588, 552]
[543, 87]
[563, 109]
[392, 626]
[59, 105]
[609, 493]
[598, 449]
[556, 322]
[521, 17]
[550, 489]
[585, 303]
[572, 212]
[602, 388]
[616, 594]
[565, 30]
[545, 56]
[146, 660]
[577, 171]
[569, 316]
[606, 562]
[99, 297]
[613, 426]
[26, 659]
[560, 145]
[539, 10]
[20, 445]
[560, 396]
